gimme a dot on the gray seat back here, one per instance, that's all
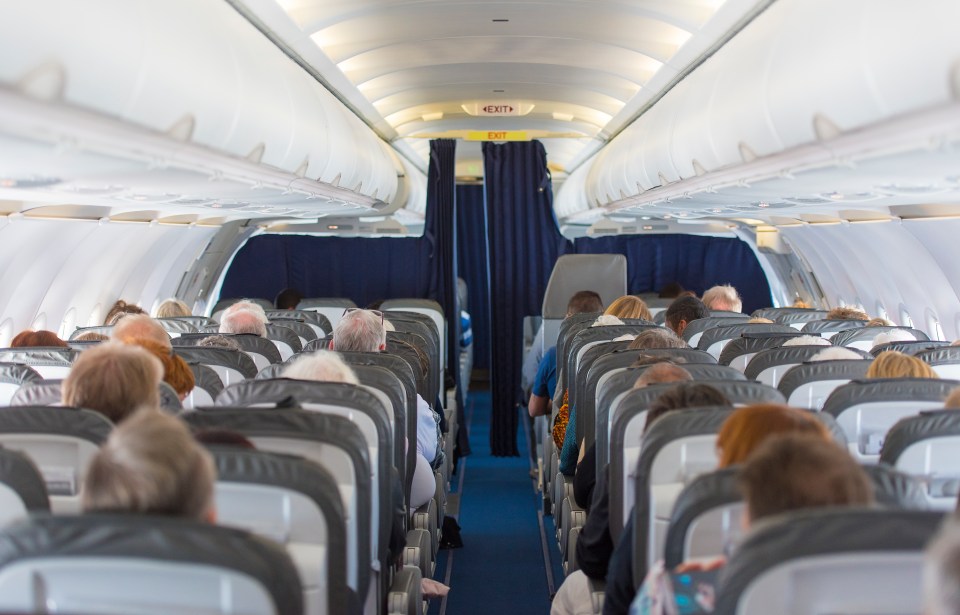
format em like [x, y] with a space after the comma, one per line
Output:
[944, 360]
[910, 348]
[781, 314]
[260, 349]
[197, 322]
[231, 365]
[61, 442]
[175, 327]
[22, 490]
[605, 274]
[568, 329]
[739, 351]
[50, 363]
[331, 308]
[867, 409]
[223, 304]
[769, 366]
[207, 385]
[713, 340]
[426, 307]
[294, 502]
[809, 384]
[101, 329]
[421, 325]
[317, 322]
[696, 328]
[49, 393]
[285, 339]
[834, 560]
[334, 442]
[928, 446]
[12, 377]
[144, 565]
[862, 338]
[829, 328]
[306, 331]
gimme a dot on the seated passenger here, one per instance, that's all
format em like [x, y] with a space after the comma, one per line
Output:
[119, 310]
[322, 366]
[787, 472]
[846, 313]
[880, 322]
[670, 290]
[835, 353]
[629, 307]
[151, 465]
[595, 544]
[724, 298]
[38, 339]
[91, 336]
[953, 399]
[683, 311]
[172, 308]
[893, 364]
[113, 379]
[800, 303]
[941, 571]
[288, 299]
[806, 340]
[894, 335]
[657, 338]
[176, 371]
[759, 320]
[240, 322]
[218, 341]
[140, 327]
[540, 367]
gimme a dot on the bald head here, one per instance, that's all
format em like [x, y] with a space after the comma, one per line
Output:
[661, 373]
[243, 321]
[139, 327]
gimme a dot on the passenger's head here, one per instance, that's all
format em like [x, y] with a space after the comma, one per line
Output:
[893, 364]
[218, 341]
[685, 395]
[322, 366]
[245, 305]
[953, 399]
[243, 322]
[38, 339]
[176, 371]
[139, 327]
[893, 335]
[91, 336]
[846, 313]
[114, 379]
[223, 437]
[878, 322]
[288, 299]
[173, 308]
[360, 331]
[797, 471]
[629, 306]
[724, 298]
[670, 290]
[806, 340]
[800, 303]
[683, 311]
[644, 360]
[662, 373]
[941, 571]
[748, 427]
[656, 338]
[120, 310]
[584, 302]
[835, 353]
[151, 465]
[606, 320]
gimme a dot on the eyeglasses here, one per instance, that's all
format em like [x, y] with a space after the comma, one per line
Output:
[374, 312]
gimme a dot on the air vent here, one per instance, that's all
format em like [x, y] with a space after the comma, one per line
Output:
[386, 230]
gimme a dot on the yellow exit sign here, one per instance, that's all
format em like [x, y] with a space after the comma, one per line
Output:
[497, 135]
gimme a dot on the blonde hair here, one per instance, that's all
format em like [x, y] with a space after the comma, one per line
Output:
[172, 308]
[953, 399]
[878, 322]
[113, 379]
[322, 366]
[846, 313]
[151, 465]
[629, 306]
[138, 327]
[893, 364]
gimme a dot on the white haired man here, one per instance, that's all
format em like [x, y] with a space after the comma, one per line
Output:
[723, 298]
[243, 321]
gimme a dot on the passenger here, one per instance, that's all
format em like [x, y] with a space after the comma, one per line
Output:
[606, 320]
[806, 340]
[662, 372]
[801, 304]
[243, 322]
[724, 298]
[595, 544]
[543, 375]
[38, 339]
[218, 341]
[683, 311]
[759, 320]
[895, 335]
[223, 437]
[176, 371]
[941, 571]
[138, 327]
[953, 399]
[846, 313]
[172, 308]
[120, 309]
[91, 336]
[288, 299]
[789, 471]
[657, 338]
[114, 379]
[670, 290]
[879, 322]
[893, 364]
[322, 366]
[363, 331]
[151, 465]
[629, 306]
[245, 305]
[835, 353]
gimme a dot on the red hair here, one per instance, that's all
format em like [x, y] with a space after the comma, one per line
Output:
[748, 427]
[38, 339]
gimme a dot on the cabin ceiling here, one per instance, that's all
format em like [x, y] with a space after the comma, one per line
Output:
[578, 70]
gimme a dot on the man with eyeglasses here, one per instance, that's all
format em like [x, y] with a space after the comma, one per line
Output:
[363, 331]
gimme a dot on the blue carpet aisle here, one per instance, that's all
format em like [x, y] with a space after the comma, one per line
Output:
[501, 568]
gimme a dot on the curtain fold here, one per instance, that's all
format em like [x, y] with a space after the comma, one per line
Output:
[472, 267]
[523, 243]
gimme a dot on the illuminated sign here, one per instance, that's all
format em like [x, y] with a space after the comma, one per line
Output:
[497, 135]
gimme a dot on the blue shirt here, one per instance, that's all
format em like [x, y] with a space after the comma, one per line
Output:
[545, 383]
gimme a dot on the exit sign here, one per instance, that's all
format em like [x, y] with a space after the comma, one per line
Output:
[497, 135]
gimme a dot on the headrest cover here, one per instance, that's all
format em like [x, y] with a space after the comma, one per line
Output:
[910, 430]
[887, 389]
[605, 274]
[19, 473]
[73, 422]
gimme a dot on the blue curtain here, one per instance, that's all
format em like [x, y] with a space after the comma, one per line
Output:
[472, 266]
[696, 262]
[523, 242]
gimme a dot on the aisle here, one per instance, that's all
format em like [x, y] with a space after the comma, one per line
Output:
[500, 570]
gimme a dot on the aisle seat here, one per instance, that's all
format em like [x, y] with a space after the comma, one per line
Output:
[863, 338]
[928, 446]
[12, 377]
[739, 351]
[809, 384]
[769, 366]
[230, 365]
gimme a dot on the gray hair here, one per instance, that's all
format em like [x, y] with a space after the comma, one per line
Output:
[835, 353]
[248, 306]
[322, 366]
[723, 297]
[893, 335]
[359, 331]
[657, 338]
[243, 321]
[807, 340]
[941, 572]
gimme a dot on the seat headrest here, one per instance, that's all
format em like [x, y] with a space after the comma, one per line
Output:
[20, 474]
[605, 274]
